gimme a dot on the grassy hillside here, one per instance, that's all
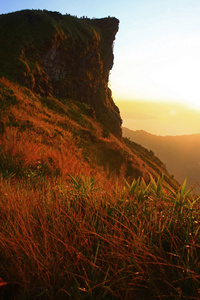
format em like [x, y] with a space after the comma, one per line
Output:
[46, 136]
[55, 97]
[85, 214]
[179, 153]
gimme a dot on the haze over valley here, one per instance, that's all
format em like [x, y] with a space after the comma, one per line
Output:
[181, 154]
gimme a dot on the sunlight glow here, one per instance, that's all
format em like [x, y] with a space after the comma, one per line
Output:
[160, 118]
[169, 70]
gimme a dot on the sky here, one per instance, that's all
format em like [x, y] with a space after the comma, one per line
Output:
[156, 69]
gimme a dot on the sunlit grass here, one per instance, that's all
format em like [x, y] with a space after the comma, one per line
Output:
[76, 239]
[74, 225]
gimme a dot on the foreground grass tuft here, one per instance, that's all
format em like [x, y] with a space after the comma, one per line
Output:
[74, 239]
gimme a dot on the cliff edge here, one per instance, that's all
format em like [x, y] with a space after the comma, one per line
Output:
[63, 56]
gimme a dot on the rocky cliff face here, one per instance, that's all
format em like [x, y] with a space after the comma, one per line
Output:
[64, 56]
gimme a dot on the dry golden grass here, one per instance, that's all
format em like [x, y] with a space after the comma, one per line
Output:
[75, 239]
[39, 141]
[71, 227]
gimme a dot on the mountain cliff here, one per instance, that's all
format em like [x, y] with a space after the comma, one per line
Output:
[54, 97]
[61, 55]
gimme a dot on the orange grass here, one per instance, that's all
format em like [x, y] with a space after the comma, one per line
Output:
[23, 153]
[71, 230]
[76, 240]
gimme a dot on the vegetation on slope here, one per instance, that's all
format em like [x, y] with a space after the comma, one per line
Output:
[151, 160]
[80, 239]
[71, 226]
[45, 136]
[85, 214]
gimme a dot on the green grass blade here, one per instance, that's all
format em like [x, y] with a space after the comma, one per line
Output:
[183, 189]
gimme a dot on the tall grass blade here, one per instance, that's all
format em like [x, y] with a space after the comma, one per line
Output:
[183, 188]
[153, 183]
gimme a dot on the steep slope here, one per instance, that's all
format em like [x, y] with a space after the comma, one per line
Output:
[57, 112]
[179, 153]
[61, 55]
[44, 136]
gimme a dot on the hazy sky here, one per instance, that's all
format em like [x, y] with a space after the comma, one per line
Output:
[157, 48]
[160, 118]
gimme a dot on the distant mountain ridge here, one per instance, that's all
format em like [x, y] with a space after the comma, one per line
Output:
[181, 154]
